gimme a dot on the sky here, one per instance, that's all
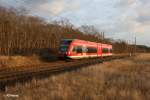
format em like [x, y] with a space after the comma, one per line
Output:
[119, 19]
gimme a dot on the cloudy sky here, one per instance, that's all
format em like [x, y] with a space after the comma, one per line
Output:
[119, 19]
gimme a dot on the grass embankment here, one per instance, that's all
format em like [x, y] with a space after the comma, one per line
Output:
[25, 61]
[126, 79]
[18, 61]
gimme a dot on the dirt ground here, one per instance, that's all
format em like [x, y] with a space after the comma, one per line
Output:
[125, 79]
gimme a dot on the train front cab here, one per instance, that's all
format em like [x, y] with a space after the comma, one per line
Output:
[64, 48]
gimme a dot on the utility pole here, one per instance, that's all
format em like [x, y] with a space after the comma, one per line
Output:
[103, 36]
[135, 45]
[127, 46]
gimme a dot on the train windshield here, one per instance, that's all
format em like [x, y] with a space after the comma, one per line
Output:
[64, 45]
[63, 48]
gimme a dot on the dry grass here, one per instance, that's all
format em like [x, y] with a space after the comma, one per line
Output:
[127, 79]
[16, 61]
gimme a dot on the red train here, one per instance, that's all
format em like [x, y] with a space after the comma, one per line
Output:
[77, 49]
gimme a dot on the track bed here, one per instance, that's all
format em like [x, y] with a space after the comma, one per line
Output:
[11, 75]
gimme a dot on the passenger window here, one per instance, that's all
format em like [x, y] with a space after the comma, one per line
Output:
[84, 50]
[74, 50]
[79, 49]
[91, 50]
[111, 50]
[105, 50]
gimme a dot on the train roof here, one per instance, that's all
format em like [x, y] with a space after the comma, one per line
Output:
[78, 40]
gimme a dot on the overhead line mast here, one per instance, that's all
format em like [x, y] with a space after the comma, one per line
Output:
[135, 45]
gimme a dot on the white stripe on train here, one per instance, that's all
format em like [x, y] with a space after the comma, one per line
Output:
[88, 56]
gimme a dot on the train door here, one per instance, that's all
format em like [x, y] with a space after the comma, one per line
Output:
[84, 50]
[99, 50]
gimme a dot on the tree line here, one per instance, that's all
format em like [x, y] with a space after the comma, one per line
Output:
[26, 35]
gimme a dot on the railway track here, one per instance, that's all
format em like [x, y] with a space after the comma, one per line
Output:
[10, 76]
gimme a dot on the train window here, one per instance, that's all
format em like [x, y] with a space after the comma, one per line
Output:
[84, 49]
[111, 50]
[77, 49]
[91, 50]
[74, 49]
[105, 50]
